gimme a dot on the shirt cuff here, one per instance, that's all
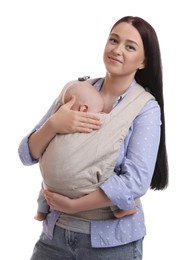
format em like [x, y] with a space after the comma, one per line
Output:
[24, 152]
[118, 193]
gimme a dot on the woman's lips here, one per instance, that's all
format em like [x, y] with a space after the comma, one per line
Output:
[115, 60]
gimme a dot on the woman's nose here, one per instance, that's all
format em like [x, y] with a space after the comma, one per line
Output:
[118, 49]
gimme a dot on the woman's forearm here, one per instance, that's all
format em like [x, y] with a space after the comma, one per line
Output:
[40, 139]
[95, 200]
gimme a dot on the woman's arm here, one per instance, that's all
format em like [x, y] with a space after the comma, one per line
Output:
[94, 200]
[137, 160]
[64, 120]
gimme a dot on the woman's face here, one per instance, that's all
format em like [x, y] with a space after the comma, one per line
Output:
[124, 51]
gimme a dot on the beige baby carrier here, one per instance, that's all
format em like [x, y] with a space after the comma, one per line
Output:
[77, 164]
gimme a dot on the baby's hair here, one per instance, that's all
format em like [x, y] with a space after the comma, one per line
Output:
[85, 94]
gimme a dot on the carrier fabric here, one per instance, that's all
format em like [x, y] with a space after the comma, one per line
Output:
[76, 164]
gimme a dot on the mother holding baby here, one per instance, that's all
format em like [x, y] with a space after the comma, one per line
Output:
[132, 58]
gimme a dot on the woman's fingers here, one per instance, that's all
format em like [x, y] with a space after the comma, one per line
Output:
[66, 120]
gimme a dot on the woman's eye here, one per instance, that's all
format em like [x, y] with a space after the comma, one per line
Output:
[130, 47]
[113, 41]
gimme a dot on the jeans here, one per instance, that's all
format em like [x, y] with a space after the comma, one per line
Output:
[68, 245]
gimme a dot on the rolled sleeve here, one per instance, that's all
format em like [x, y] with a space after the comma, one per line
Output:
[24, 152]
[120, 196]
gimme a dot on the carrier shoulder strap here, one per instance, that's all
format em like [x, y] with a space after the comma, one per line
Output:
[138, 96]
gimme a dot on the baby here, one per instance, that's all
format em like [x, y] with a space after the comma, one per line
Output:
[65, 168]
[88, 99]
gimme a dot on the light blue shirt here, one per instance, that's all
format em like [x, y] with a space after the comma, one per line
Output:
[134, 170]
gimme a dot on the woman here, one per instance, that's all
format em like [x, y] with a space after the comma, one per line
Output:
[131, 55]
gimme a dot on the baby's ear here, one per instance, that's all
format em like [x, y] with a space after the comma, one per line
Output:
[84, 108]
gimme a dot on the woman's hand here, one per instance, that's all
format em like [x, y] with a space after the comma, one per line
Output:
[59, 202]
[66, 120]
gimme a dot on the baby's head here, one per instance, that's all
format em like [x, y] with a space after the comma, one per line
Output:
[88, 99]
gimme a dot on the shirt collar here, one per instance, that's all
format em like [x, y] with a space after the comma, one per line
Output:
[99, 83]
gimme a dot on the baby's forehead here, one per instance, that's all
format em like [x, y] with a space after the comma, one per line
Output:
[77, 88]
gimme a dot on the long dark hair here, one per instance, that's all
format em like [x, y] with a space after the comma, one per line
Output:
[151, 77]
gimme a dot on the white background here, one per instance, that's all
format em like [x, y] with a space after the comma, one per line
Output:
[44, 44]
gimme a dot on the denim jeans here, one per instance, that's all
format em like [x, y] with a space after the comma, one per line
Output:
[68, 245]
